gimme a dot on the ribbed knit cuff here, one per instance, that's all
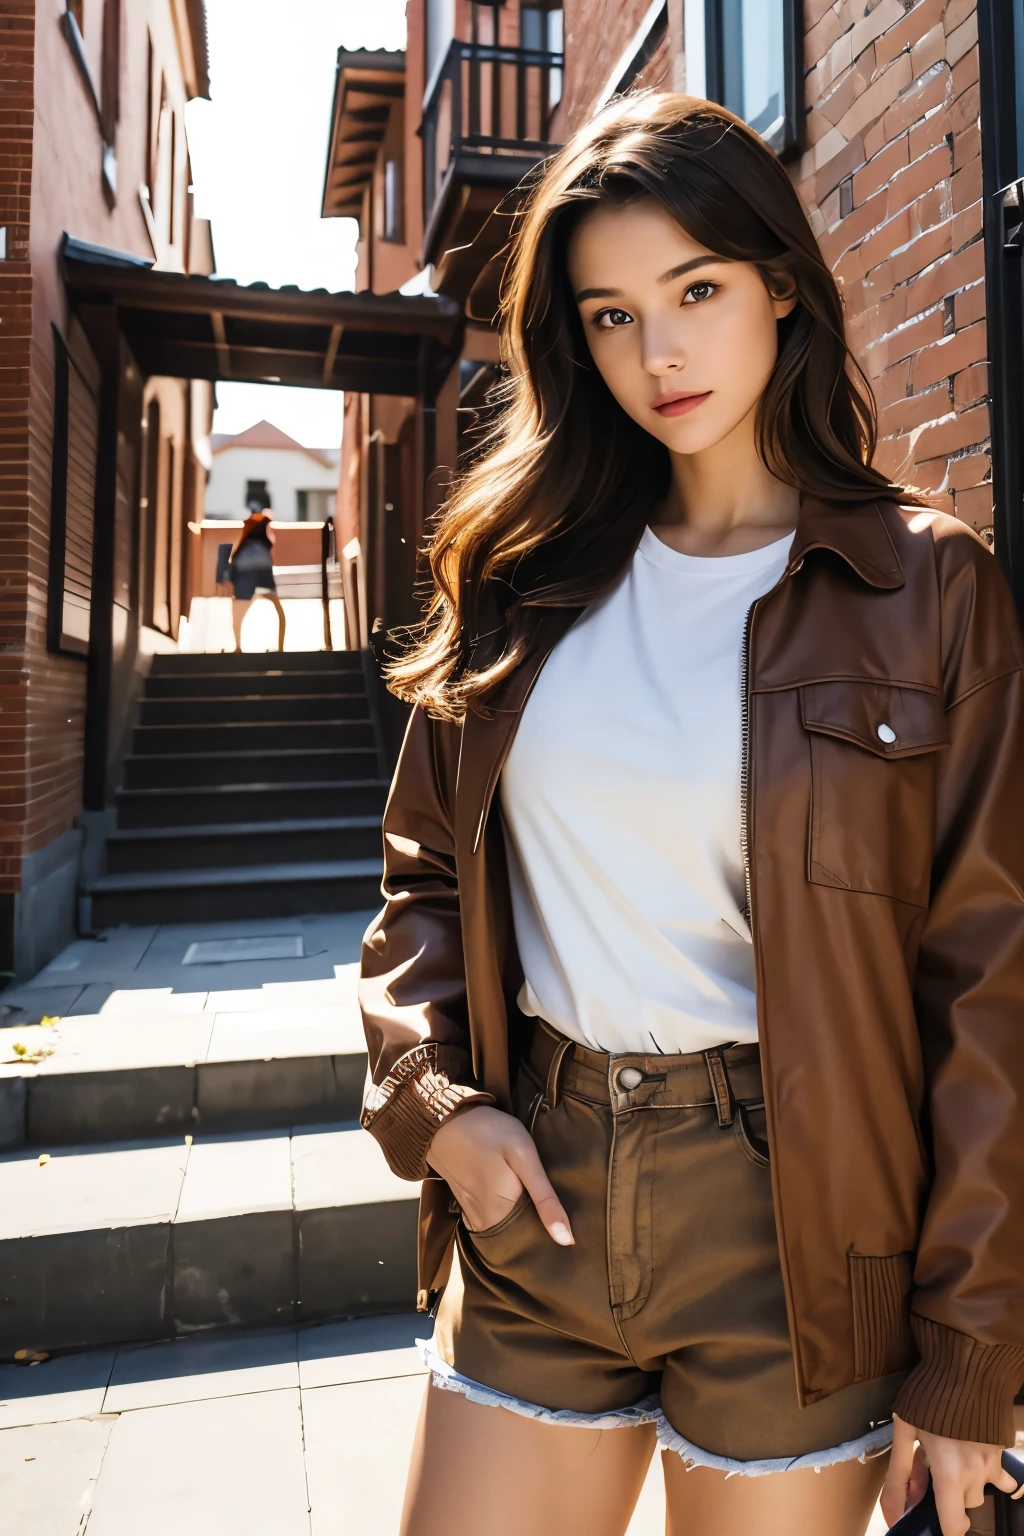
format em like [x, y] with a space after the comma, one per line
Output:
[960, 1388]
[419, 1093]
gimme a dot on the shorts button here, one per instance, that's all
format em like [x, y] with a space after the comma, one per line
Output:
[886, 734]
[629, 1078]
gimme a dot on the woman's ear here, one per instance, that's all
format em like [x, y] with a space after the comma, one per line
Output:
[782, 290]
[784, 305]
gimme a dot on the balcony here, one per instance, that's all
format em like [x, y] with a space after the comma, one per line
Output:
[486, 124]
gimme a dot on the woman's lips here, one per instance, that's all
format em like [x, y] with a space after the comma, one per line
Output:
[679, 404]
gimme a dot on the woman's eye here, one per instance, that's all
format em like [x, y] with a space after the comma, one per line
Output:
[698, 292]
[608, 319]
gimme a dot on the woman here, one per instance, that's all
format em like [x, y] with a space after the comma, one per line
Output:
[251, 573]
[695, 997]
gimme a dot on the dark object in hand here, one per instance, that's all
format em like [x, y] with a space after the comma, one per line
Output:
[923, 1519]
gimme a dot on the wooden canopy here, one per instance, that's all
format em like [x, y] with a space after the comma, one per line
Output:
[367, 84]
[193, 327]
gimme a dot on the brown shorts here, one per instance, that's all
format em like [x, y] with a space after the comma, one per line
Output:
[670, 1307]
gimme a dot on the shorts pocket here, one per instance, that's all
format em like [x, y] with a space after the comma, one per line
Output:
[750, 1128]
[503, 1225]
[880, 1290]
[873, 754]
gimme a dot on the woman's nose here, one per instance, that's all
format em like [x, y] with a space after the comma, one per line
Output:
[662, 351]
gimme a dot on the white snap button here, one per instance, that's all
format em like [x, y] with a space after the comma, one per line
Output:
[629, 1078]
[886, 734]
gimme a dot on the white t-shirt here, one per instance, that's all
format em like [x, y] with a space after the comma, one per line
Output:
[620, 800]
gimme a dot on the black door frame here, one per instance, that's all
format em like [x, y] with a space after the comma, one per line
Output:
[1004, 283]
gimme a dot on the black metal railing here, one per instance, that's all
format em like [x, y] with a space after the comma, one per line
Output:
[489, 100]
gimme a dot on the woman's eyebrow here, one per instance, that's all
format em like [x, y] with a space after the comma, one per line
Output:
[666, 277]
[691, 266]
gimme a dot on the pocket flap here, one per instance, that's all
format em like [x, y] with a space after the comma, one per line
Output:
[883, 719]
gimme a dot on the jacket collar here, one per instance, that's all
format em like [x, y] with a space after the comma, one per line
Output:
[856, 533]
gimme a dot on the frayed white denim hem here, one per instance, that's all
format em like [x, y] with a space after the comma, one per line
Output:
[648, 1411]
[448, 1379]
[872, 1444]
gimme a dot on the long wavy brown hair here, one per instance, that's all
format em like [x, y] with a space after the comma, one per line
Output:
[550, 512]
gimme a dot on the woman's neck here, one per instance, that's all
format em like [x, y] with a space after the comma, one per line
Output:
[725, 501]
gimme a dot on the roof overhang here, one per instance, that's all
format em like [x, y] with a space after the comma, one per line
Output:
[472, 216]
[195, 12]
[195, 327]
[367, 84]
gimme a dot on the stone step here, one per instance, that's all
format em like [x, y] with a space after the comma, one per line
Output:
[244, 891]
[151, 1064]
[186, 805]
[185, 663]
[234, 684]
[258, 708]
[134, 1240]
[262, 735]
[313, 840]
[204, 769]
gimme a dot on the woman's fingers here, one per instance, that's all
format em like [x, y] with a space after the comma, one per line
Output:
[523, 1159]
[901, 1466]
[950, 1502]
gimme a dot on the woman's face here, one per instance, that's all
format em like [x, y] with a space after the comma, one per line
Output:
[685, 340]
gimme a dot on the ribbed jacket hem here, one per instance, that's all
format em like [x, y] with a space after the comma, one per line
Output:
[960, 1388]
[418, 1095]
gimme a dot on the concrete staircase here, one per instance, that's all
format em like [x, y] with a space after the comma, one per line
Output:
[255, 787]
[184, 1161]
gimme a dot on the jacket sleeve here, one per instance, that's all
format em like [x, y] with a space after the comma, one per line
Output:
[412, 989]
[967, 1308]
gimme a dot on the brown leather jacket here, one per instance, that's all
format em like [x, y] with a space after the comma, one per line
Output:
[885, 880]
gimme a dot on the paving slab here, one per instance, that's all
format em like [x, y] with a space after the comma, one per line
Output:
[48, 1475]
[332, 1162]
[220, 1467]
[67, 1387]
[83, 1188]
[195, 1369]
[358, 1441]
[302, 1030]
[228, 1175]
[366, 1349]
[152, 1002]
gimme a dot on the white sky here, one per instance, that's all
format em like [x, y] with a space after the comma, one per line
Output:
[258, 149]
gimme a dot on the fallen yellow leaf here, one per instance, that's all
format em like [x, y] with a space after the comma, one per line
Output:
[50, 1020]
[19, 1049]
[21, 1354]
[44, 1158]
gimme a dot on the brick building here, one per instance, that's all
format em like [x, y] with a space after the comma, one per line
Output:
[101, 468]
[900, 123]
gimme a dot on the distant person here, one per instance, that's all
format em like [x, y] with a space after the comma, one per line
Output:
[251, 571]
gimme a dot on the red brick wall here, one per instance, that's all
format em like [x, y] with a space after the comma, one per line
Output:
[17, 49]
[596, 32]
[892, 180]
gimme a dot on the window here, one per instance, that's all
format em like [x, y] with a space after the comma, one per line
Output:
[76, 417]
[394, 199]
[257, 497]
[440, 30]
[542, 28]
[753, 64]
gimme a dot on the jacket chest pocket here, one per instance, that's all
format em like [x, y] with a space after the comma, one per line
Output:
[873, 757]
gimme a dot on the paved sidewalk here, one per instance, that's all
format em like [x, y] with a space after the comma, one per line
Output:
[279, 1433]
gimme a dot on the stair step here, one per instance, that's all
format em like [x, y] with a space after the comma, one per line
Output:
[139, 1240]
[252, 736]
[310, 840]
[239, 768]
[186, 805]
[258, 890]
[122, 1074]
[190, 662]
[258, 709]
[234, 685]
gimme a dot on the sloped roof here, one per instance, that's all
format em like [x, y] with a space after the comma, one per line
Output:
[265, 435]
[194, 327]
[368, 83]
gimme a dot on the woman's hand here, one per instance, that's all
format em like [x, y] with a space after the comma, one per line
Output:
[960, 1469]
[488, 1158]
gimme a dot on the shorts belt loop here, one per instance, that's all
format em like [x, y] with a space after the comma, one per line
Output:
[721, 1087]
[553, 1084]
